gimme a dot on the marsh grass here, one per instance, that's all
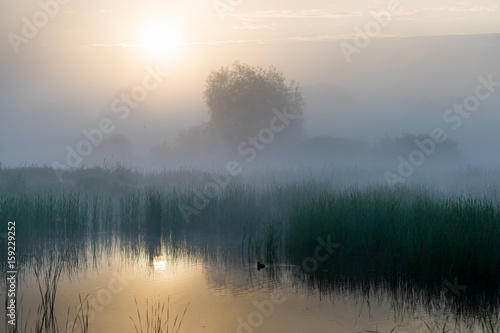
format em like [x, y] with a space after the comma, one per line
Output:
[153, 211]
[48, 275]
[411, 231]
[273, 241]
[81, 318]
[155, 320]
[46, 318]
[377, 331]
[488, 323]
[430, 236]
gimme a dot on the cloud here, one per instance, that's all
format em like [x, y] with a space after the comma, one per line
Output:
[108, 45]
[460, 9]
[336, 14]
[313, 38]
[474, 9]
[300, 14]
[250, 25]
[323, 38]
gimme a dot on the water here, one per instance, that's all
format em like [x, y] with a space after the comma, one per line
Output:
[221, 290]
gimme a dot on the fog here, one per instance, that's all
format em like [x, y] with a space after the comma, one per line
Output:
[220, 151]
[394, 88]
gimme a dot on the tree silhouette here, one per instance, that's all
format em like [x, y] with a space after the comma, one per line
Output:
[241, 100]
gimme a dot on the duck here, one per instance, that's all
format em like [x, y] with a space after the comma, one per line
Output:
[259, 265]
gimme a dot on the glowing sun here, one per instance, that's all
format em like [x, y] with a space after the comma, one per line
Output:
[161, 41]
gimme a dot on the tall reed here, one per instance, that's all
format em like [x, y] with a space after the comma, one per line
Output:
[155, 320]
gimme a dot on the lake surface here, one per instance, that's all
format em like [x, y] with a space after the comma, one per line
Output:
[219, 286]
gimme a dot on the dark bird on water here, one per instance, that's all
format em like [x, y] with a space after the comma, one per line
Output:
[259, 265]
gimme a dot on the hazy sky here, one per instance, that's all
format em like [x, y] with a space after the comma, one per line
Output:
[61, 72]
[108, 23]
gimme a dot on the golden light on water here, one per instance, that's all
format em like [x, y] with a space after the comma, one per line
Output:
[159, 263]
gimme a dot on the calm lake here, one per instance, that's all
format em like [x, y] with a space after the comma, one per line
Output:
[217, 283]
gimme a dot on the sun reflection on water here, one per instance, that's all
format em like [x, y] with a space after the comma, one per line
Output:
[159, 263]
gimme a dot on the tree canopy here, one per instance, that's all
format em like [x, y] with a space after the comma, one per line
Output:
[241, 99]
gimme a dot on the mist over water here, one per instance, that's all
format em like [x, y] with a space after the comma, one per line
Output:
[229, 166]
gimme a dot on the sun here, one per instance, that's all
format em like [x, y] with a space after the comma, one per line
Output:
[161, 41]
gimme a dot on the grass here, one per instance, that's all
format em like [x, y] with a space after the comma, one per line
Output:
[46, 318]
[82, 317]
[487, 324]
[155, 320]
[377, 331]
[153, 211]
[490, 323]
[414, 230]
[447, 237]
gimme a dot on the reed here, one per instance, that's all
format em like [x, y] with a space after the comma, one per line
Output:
[155, 320]
[46, 319]
[415, 229]
[429, 235]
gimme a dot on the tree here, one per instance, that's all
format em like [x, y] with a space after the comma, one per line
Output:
[113, 148]
[241, 99]
[436, 153]
[193, 139]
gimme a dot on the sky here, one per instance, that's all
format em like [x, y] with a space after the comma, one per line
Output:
[63, 63]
